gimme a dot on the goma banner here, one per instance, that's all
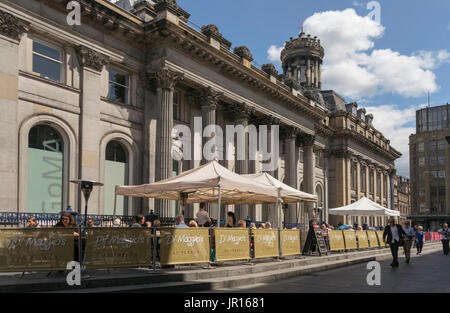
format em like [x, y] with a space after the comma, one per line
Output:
[363, 242]
[36, 249]
[290, 242]
[336, 239]
[373, 239]
[266, 243]
[232, 244]
[118, 247]
[380, 238]
[350, 240]
[184, 245]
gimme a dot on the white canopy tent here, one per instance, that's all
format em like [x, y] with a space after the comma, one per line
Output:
[288, 194]
[208, 183]
[363, 207]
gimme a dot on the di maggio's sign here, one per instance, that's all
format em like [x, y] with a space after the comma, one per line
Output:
[184, 245]
[35, 249]
[266, 243]
[232, 244]
[117, 247]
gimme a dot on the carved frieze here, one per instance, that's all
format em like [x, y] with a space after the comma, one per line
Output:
[12, 26]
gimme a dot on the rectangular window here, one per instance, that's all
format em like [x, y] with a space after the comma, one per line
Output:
[441, 145]
[176, 105]
[363, 179]
[119, 86]
[441, 159]
[47, 61]
[433, 160]
[421, 161]
[442, 174]
[421, 146]
[432, 145]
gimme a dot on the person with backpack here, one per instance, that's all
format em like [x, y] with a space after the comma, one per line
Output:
[419, 239]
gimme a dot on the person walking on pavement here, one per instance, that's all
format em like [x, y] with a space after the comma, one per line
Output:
[444, 231]
[419, 240]
[393, 234]
[408, 239]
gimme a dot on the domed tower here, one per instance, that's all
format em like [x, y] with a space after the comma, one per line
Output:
[302, 61]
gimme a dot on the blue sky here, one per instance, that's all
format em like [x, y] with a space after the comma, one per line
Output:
[387, 68]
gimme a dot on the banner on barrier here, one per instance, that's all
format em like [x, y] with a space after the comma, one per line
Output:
[363, 242]
[336, 240]
[184, 245]
[36, 249]
[373, 239]
[350, 240]
[118, 247]
[380, 238]
[427, 236]
[290, 242]
[266, 243]
[232, 244]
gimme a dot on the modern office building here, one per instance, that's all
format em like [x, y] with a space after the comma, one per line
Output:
[99, 101]
[430, 167]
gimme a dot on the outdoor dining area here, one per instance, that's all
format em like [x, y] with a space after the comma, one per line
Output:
[53, 248]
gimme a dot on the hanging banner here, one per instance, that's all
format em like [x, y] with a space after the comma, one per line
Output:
[118, 247]
[266, 243]
[373, 239]
[232, 244]
[290, 242]
[380, 238]
[35, 249]
[336, 240]
[363, 241]
[184, 246]
[350, 240]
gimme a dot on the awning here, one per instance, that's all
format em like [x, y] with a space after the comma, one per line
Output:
[288, 193]
[363, 207]
[201, 185]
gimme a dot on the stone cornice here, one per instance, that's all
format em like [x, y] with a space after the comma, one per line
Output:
[11, 26]
[392, 154]
[194, 43]
[91, 58]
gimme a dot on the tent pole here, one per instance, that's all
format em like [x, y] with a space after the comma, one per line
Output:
[279, 209]
[218, 206]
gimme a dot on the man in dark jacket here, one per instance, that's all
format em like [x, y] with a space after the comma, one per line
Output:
[393, 235]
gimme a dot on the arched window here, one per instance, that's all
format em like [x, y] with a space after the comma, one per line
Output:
[45, 185]
[319, 196]
[116, 173]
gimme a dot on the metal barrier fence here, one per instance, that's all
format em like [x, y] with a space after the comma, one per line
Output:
[48, 249]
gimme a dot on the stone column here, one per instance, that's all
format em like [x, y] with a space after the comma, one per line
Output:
[308, 169]
[382, 187]
[242, 113]
[290, 167]
[316, 73]
[320, 75]
[209, 99]
[358, 183]
[12, 29]
[392, 174]
[308, 73]
[165, 84]
[89, 137]
[270, 212]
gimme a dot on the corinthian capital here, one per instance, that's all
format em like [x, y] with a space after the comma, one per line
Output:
[241, 110]
[91, 58]
[306, 140]
[210, 97]
[166, 79]
[12, 26]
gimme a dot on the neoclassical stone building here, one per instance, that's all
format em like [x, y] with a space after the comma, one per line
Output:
[99, 101]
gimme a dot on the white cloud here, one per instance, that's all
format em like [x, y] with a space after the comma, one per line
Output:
[355, 69]
[396, 124]
[273, 54]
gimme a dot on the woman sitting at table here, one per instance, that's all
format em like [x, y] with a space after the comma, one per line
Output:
[67, 220]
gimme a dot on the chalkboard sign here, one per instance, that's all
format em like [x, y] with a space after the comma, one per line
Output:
[315, 242]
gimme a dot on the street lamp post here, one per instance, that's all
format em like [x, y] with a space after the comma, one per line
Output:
[86, 188]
